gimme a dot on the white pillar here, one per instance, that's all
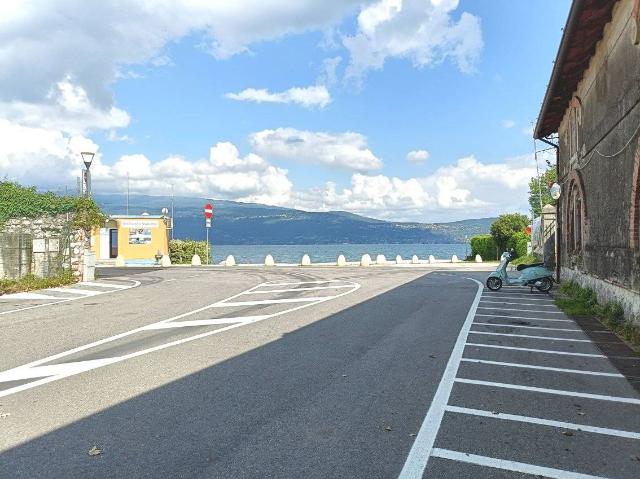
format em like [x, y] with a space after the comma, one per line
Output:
[195, 260]
[454, 259]
[415, 259]
[365, 260]
[342, 261]
[268, 260]
[230, 261]
[165, 261]
[432, 259]
[380, 259]
[306, 260]
[399, 259]
[478, 258]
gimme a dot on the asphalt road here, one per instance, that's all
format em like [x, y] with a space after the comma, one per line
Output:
[314, 372]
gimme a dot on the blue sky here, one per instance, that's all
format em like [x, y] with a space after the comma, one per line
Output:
[458, 83]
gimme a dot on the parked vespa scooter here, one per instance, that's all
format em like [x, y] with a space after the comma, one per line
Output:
[534, 275]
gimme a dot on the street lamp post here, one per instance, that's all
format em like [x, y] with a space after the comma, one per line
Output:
[87, 158]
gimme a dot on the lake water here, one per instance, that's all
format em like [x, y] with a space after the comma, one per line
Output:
[326, 253]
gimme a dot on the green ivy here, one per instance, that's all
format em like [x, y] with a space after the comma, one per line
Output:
[18, 201]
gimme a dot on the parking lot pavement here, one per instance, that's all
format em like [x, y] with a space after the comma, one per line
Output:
[15, 302]
[531, 394]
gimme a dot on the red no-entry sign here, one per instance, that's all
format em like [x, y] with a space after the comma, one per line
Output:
[208, 211]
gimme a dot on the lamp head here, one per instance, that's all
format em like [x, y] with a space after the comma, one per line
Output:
[87, 157]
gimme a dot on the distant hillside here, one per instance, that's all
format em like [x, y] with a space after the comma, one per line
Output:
[248, 223]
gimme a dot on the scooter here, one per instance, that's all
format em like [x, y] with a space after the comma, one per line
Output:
[534, 275]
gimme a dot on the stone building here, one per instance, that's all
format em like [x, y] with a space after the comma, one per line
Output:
[591, 113]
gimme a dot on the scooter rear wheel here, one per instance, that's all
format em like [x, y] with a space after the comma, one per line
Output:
[545, 285]
[494, 284]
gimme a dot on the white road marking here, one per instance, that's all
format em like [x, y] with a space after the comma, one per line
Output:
[501, 325]
[511, 296]
[543, 368]
[545, 422]
[418, 457]
[224, 304]
[300, 282]
[60, 371]
[524, 317]
[522, 310]
[510, 465]
[83, 292]
[557, 392]
[27, 295]
[205, 322]
[531, 350]
[487, 333]
[314, 288]
[519, 304]
[134, 284]
[104, 285]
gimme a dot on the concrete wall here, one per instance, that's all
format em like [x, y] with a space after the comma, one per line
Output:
[604, 163]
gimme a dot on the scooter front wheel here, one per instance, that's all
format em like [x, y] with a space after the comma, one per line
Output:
[544, 285]
[493, 283]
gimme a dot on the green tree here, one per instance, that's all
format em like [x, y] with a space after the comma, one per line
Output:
[506, 226]
[537, 185]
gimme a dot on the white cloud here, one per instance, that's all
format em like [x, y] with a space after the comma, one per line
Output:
[421, 31]
[508, 124]
[418, 156]
[329, 74]
[340, 150]
[312, 96]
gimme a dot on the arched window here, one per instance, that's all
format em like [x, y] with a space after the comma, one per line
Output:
[575, 219]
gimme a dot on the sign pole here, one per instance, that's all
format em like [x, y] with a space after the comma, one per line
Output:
[208, 214]
[208, 255]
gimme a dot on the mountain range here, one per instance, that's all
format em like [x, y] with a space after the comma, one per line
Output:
[251, 223]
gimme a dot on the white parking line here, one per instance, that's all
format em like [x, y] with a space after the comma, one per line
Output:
[522, 310]
[314, 288]
[300, 282]
[519, 304]
[500, 325]
[487, 333]
[545, 422]
[59, 371]
[205, 322]
[524, 317]
[557, 392]
[104, 285]
[421, 449]
[543, 368]
[532, 350]
[28, 295]
[510, 465]
[84, 292]
[511, 296]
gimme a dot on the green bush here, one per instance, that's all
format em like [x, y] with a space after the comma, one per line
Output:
[506, 226]
[485, 246]
[21, 201]
[181, 251]
[31, 282]
[518, 242]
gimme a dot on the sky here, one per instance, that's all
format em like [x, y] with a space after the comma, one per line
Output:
[407, 110]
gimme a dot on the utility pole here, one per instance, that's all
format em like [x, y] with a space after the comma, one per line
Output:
[172, 215]
[127, 192]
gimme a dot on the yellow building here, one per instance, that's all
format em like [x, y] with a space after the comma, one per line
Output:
[137, 238]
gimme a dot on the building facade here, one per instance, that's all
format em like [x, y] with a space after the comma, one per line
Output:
[135, 238]
[591, 112]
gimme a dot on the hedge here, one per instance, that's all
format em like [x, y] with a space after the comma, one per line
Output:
[485, 246]
[518, 242]
[181, 251]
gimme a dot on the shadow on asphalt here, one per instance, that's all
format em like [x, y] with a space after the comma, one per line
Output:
[102, 273]
[314, 403]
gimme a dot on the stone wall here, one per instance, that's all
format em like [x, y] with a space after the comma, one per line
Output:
[597, 155]
[70, 245]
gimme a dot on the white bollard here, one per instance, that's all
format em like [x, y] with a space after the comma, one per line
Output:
[454, 259]
[230, 261]
[432, 259]
[342, 261]
[165, 261]
[306, 260]
[415, 259]
[478, 258]
[120, 260]
[399, 259]
[195, 260]
[380, 259]
[268, 260]
[365, 260]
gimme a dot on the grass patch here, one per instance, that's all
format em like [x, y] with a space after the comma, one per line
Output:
[31, 282]
[526, 259]
[578, 301]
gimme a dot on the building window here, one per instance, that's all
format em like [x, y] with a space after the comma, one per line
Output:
[575, 119]
[574, 220]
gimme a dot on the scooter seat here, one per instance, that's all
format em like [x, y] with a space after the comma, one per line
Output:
[520, 267]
